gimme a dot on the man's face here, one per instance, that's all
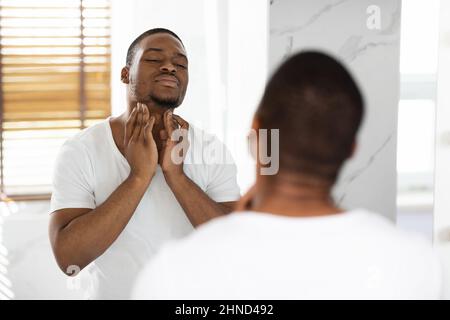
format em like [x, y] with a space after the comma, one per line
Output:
[159, 71]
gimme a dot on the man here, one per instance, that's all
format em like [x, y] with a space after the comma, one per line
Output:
[119, 190]
[290, 240]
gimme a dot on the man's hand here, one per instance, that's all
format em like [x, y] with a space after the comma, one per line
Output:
[247, 201]
[197, 205]
[175, 145]
[140, 147]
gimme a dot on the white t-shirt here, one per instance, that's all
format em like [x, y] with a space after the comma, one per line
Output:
[250, 255]
[90, 167]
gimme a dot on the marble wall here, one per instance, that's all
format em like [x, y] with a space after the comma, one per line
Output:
[365, 35]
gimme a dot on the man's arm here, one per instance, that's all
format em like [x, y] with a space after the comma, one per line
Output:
[198, 207]
[78, 236]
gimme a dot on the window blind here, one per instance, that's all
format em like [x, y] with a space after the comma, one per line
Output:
[55, 81]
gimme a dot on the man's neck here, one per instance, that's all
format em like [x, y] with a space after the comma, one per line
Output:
[155, 110]
[118, 124]
[293, 199]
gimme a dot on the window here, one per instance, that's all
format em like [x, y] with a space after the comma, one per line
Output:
[55, 81]
[418, 67]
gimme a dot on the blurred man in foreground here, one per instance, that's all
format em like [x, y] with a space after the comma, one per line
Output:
[288, 239]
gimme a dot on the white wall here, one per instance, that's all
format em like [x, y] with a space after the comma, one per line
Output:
[442, 157]
[248, 37]
[340, 28]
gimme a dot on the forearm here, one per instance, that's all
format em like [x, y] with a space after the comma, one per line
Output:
[88, 236]
[199, 208]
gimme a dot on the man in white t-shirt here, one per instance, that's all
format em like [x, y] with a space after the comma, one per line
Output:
[127, 185]
[289, 240]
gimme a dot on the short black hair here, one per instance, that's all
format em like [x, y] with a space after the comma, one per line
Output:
[318, 108]
[132, 48]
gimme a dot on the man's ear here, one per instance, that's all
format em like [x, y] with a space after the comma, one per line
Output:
[255, 123]
[353, 151]
[124, 74]
[253, 138]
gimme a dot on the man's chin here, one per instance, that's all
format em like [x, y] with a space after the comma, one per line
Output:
[166, 102]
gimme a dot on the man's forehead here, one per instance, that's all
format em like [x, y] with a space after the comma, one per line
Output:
[163, 41]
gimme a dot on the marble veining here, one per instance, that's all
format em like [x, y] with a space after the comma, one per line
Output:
[316, 16]
[358, 172]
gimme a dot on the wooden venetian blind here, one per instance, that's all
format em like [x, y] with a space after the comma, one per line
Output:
[55, 80]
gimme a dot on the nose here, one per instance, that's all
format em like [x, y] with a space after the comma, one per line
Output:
[168, 67]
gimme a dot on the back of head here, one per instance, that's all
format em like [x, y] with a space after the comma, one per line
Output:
[317, 106]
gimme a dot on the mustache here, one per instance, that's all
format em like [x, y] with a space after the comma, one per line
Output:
[167, 74]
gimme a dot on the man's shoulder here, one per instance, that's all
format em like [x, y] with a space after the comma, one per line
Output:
[406, 250]
[206, 237]
[373, 233]
[374, 222]
[389, 237]
[90, 133]
[379, 222]
[370, 227]
[88, 138]
[180, 263]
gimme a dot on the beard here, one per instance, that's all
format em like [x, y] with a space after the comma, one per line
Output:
[165, 102]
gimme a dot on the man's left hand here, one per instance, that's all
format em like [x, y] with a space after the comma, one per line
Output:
[175, 145]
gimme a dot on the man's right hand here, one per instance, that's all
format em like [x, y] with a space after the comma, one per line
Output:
[139, 145]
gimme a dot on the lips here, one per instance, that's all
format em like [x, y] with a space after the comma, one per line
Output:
[166, 80]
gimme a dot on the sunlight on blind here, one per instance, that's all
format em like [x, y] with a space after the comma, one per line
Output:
[55, 77]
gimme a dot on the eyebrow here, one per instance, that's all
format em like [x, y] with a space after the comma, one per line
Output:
[160, 50]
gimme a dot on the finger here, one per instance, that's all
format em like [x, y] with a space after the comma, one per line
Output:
[129, 126]
[184, 126]
[246, 202]
[138, 124]
[145, 117]
[174, 122]
[141, 124]
[168, 123]
[148, 129]
[183, 123]
[145, 112]
[163, 134]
